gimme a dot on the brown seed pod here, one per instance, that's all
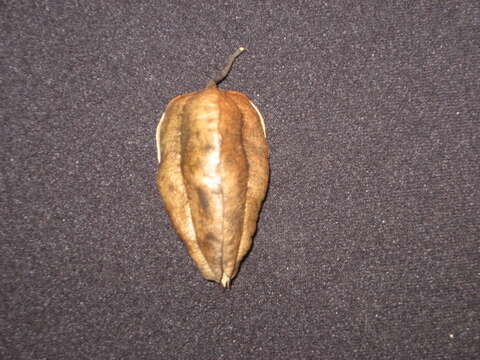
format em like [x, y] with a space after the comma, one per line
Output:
[213, 174]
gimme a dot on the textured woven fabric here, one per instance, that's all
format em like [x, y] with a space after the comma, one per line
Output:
[368, 243]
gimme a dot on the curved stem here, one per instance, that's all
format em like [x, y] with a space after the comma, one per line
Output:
[223, 74]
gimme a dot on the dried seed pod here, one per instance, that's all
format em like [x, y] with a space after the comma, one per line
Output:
[213, 174]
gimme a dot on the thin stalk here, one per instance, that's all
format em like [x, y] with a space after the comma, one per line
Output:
[223, 74]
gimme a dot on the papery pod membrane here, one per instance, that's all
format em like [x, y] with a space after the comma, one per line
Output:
[213, 175]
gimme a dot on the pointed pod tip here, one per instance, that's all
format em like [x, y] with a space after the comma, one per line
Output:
[225, 282]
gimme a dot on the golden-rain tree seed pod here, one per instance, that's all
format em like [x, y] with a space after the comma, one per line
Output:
[213, 174]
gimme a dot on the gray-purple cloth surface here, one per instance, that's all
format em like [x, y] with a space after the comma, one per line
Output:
[368, 243]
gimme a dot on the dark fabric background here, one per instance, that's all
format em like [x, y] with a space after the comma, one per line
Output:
[367, 246]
